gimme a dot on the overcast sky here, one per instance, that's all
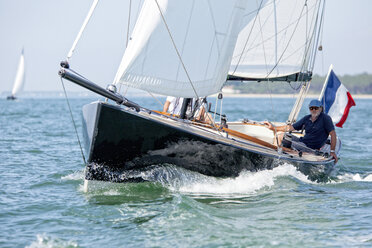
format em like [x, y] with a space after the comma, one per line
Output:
[47, 28]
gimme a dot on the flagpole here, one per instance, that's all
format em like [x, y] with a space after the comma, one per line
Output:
[325, 84]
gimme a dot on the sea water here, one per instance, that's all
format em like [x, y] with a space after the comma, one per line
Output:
[43, 202]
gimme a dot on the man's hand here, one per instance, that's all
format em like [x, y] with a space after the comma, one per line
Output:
[333, 154]
[268, 125]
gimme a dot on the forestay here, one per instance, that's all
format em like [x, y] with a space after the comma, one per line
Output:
[280, 41]
[187, 53]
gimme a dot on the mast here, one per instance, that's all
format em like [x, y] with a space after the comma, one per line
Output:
[185, 104]
[311, 51]
[276, 31]
[298, 104]
[325, 83]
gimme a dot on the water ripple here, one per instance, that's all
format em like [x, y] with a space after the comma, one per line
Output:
[43, 201]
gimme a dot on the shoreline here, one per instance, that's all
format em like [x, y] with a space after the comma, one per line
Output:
[57, 94]
[230, 95]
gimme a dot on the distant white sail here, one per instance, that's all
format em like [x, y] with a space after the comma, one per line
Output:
[279, 41]
[20, 76]
[204, 33]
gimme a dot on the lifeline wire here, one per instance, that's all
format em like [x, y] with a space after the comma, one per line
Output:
[73, 121]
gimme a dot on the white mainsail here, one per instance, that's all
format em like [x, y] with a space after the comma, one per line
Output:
[279, 42]
[186, 53]
[20, 76]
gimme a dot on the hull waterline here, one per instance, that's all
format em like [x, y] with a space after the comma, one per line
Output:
[121, 143]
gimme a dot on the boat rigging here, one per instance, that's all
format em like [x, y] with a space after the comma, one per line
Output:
[234, 40]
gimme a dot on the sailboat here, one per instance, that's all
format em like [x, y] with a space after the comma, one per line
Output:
[19, 79]
[189, 49]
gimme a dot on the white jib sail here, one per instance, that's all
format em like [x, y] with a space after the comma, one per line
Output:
[204, 34]
[278, 42]
[20, 76]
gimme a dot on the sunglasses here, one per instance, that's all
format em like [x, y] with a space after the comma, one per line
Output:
[314, 108]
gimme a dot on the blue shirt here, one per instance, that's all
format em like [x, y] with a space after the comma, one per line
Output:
[317, 132]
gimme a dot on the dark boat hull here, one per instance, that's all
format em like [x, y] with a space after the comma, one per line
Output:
[120, 143]
[11, 97]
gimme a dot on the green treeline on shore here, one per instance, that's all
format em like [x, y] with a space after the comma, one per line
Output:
[356, 84]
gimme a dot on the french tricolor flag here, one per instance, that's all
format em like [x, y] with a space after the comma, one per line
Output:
[336, 99]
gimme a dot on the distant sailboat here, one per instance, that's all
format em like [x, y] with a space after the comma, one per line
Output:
[19, 79]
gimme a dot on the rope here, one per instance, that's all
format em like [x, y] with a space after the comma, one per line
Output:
[180, 58]
[249, 35]
[320, 33]
[175, 47]
[307, 44]
[321, 37]
[156, 99]
[315, 37]
[267, 85]
[73, 122]
[285, 49]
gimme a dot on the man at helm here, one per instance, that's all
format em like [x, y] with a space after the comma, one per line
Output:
[317, 125]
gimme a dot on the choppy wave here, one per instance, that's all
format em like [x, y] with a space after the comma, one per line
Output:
[43, 203]
[44, 241]
[178, 179]
[349, 177]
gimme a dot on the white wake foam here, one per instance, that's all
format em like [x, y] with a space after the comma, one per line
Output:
[75, 176]
[245, 183]
[348, 177]
[182, 180]
[43, 241]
